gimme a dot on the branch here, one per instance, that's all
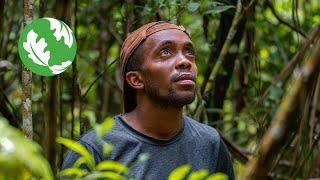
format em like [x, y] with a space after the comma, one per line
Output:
[269, 4]
[313, 112]
[97, 78]
[234, 150]
[286, 71]
[302, 162]
[276, 135]
[10, 115]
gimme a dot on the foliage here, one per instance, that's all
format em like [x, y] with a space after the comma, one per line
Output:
[20, 158]
[181, 172]
[105, 169]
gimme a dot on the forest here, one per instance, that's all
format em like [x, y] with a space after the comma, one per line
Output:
[258, 85]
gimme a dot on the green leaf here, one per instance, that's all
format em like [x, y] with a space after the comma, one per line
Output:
[20, 157]
[107, 148]
[143, 157]
[179, 173]
[74, 171]
[214, 110]
[77, 147]
[200, 174]
[217, 176]
[218, 9]
[112, 165]
[103, 175]
[104, 127]
[79, 161]
[193, 6]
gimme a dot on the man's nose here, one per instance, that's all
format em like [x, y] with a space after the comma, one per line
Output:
[183, 62]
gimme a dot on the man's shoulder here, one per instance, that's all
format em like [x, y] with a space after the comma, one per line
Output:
[91, 138]
[202, 130]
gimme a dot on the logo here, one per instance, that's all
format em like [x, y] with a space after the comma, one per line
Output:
[47, 46]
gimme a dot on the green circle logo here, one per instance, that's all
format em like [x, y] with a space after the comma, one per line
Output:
[47, 46]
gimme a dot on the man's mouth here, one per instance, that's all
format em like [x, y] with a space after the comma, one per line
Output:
[185, 79]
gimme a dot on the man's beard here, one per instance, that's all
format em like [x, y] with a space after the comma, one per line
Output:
[172, 99]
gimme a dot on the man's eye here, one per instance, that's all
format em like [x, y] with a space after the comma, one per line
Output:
[165, 52]
[190, 52]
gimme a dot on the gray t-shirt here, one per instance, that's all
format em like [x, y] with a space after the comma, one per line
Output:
[196, 144]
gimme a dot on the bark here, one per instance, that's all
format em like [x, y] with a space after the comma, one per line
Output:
[2, 3]
[75, 86]
[51, 128]
[279, 130]
[27, 78]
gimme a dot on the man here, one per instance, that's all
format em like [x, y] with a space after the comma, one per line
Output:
[159, 71]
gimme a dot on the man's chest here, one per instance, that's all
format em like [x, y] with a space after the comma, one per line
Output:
[156, 162]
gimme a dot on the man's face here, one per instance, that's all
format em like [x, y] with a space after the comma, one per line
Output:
[169, 68]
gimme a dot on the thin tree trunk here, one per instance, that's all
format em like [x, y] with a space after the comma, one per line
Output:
[74, 78]
[52, 112]
[27, 78]
[105, 38]
[2, 3]
[62, 12]
[222, 81]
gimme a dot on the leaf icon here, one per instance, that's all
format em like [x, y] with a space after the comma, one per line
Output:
[36, 49]
[61, 30]
[57, 69]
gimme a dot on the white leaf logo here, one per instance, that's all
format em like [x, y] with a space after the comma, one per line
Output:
[61, 30]
[57, 69]
[36, 49]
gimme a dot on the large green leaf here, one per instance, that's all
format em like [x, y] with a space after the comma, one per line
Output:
[179, 173]
[19, 156]
[74, 171]
[200, 174]
[218, 9]
[112, 165]
[104, 175]
[79, 148]
[104, 127]
[193, 6]
[217, 176]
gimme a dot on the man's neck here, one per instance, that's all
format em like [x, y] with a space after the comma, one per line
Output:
[159, 123]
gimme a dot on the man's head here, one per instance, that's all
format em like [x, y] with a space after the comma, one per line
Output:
[161, 66]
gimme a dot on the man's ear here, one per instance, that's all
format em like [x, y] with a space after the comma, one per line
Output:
[135, 80]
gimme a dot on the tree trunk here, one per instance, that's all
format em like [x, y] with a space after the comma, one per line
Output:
[105, 39]
[52, 112]
[27, 78]
[2, 3]
[62, 12]
[222, 81]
